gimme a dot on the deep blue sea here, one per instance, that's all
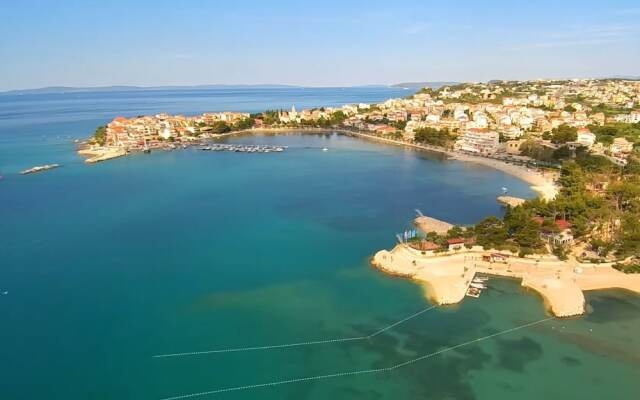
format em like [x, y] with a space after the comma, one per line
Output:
[106, 265]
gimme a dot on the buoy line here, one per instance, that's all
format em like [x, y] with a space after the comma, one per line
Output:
[357, 372]
[286, 345]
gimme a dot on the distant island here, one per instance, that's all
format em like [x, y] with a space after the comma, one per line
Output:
[134, 88]
[576, 141]
[420, 85]
[126, 88]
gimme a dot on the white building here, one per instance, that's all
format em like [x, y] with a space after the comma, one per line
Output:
[621, 146]
[478, 141]
[586, 138]
[631, 118]
[165, 131]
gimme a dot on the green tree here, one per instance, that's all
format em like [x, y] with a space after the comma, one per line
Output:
[337, 118]
[536, 151]
[572, 179]
[219, 127]
[563, 134]
[245, 123]
[100, 135]
[270, 117]
[491, 233]
[432, 136]
[455, 232]
[630, 238]
[562, 153]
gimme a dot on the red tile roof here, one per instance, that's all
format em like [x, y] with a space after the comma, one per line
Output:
[563, 224]
[427, 245]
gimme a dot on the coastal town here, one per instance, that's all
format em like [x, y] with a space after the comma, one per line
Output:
[576, 141]
[539, 121]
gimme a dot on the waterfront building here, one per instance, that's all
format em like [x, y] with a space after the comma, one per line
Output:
[478, 141]
[513, 146]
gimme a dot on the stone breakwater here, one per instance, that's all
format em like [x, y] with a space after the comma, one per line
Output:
[101, 153]
[446, 276]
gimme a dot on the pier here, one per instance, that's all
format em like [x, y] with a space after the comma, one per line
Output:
[429, 224]
[510, 201]
[39, 168]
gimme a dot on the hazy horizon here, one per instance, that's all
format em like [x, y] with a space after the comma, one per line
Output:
[284, 85]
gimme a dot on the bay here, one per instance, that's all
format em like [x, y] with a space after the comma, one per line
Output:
[110, 264]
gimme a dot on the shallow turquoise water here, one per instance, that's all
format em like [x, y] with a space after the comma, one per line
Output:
[110, 264]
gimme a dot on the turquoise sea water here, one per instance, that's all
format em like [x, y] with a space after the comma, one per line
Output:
[110, 264]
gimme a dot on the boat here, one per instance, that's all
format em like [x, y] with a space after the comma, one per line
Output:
[325, 149]
[473, 292]
[39, 168]
[477, 285]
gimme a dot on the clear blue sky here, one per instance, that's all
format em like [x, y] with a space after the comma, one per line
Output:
[320, 43]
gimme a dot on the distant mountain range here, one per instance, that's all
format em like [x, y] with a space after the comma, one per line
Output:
[125, 88]
[624, 77]
[131, 88]
[420, 85]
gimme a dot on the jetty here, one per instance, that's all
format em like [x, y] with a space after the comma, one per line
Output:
[447, 276]
[429, 224]
[510, 201]
[39, 168]
[98, 154]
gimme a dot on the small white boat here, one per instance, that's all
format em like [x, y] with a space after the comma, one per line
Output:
[473, 292]
[477, 285]
[325, 149]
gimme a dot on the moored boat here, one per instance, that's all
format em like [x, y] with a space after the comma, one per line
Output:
[39, 168]
[477, 285]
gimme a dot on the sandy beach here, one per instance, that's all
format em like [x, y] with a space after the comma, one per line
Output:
[541, 182]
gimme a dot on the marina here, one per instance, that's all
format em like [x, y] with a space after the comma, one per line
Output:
[244, 148]
[477, 285]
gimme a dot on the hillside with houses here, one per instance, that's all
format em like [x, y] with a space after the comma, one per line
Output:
[588, 130]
